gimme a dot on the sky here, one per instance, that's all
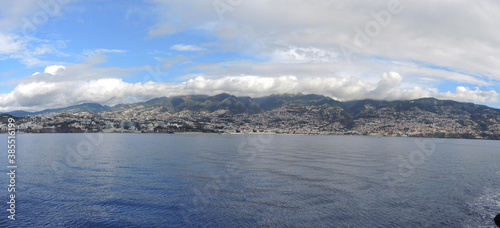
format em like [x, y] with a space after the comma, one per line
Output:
[57, 53]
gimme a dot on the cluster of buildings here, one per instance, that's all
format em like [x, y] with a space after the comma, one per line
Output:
[283, 120]
[421, 123]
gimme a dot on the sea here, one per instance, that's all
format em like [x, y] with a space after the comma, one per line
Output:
[211, 180]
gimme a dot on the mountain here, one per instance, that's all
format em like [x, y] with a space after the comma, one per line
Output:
[196, 103]
[276, 101]
[86, 107]
[224, 101]
[19, 113]
[364, 107]
[238, 105]
[4, 118]
[279, 113]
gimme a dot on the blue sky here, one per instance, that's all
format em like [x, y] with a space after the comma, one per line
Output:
[56, 53]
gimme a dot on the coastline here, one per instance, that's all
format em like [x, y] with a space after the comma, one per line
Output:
[250, 133]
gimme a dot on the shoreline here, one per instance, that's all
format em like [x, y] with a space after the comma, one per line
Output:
[247, 133]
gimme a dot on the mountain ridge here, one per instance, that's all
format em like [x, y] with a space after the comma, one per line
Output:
[246, 104]
[279, 113]
[88, 107]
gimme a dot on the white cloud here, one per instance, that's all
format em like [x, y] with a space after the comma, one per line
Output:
[467, 94]
[302, 39]
[54, 69]
[84, 71]
[29, 50]
[304, 55]
[162, 30]
[39, 94]
[29, 14]
[20, 21]
[182, 47]
[9, 44]
[464, 39]
[102, 51]
[13, 12]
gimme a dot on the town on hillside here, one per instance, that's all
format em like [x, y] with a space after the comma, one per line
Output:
[278, 114]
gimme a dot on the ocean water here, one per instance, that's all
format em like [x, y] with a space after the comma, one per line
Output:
[171, 180]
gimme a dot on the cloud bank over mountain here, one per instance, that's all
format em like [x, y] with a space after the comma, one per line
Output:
[53, 90]
[388, 50]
